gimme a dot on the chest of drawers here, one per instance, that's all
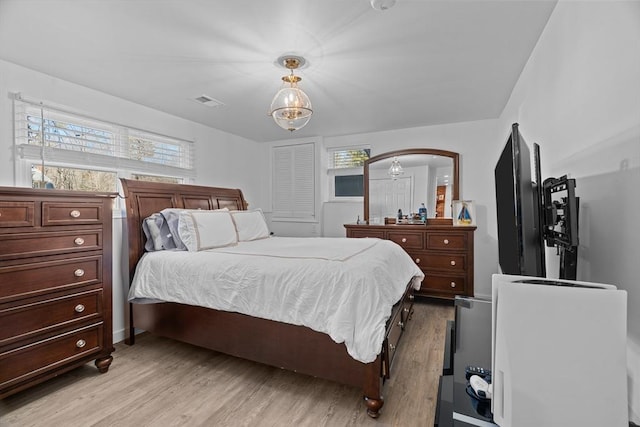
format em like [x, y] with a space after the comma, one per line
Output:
[55, 284]
[443, 252]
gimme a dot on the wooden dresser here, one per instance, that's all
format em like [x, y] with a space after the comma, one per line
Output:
[443, 252]
[55, 284]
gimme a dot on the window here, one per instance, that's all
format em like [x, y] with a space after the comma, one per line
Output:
[349, 158]
[346, 180]
[56, 148]
[293, 182]
[73, 178]
[349, 185]
[152, 178]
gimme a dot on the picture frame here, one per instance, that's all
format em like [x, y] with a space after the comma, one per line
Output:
[464, 213]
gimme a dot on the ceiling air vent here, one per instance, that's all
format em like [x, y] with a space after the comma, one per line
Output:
[208, 101]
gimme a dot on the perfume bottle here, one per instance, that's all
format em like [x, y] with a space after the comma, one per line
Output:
[422, 211]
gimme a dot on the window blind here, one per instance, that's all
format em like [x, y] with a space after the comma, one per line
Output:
[348, 158]
[53, 135]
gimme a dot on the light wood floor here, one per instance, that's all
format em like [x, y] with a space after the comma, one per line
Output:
[160, 382]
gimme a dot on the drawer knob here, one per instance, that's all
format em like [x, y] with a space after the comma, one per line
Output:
[404, 240]
[401, 324]
[75, 213]
[453, 262]
[78, 241]
[79, 272]
[446, 241]
[79, 308]
[81, 343]
[411, 297]
[392, 347]
[453, 284]
[417, 260]
[406, 310]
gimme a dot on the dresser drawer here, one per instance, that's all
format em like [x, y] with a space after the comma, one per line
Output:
[407, 239]
[396, 328]
[447, 241]
[440, 261]
[37, 244]
[366, 233]
[31, 279]
[30, 319]
[70, 213]
[17, 214]
[407, 307]
[449, 284]
[31, 360]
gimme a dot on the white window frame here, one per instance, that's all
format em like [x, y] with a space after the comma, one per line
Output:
[332, 172]
[114, 160]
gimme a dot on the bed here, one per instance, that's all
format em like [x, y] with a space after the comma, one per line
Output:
[293, 346]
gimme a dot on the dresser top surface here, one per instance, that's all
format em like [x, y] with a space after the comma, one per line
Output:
[43, 193]
[412, 227]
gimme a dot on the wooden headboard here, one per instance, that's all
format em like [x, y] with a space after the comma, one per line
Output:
[144, 198]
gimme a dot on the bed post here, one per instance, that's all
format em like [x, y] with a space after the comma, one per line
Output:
[372, 387]
[129, 329]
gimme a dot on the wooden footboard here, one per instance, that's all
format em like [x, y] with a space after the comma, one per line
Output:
[291, 347]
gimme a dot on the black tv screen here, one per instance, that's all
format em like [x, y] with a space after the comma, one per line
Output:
[349, 185]
[520, 242]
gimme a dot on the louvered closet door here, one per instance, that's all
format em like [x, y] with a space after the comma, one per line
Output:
[294, 181]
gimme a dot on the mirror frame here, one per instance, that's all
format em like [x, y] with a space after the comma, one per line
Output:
[455, 191]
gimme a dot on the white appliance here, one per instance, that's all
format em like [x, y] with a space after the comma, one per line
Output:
[558, 353]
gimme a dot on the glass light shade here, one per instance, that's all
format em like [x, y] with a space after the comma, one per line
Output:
[291, 108]
[396, 168]
[382, 4]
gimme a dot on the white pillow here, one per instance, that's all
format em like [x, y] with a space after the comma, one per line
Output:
[170, 217]
[250, 224]
[204, 229]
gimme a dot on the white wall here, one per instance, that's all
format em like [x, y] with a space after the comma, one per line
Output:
[579, 98]
[222, 159]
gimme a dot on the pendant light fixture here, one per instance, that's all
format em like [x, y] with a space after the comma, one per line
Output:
[291, 108]
[382, 5]
[395, 170]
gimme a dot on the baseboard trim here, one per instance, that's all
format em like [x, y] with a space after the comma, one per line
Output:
[118, 336]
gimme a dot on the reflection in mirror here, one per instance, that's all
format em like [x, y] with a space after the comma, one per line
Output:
[408, 180]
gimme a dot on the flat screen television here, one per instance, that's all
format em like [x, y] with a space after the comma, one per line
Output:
[519, 204]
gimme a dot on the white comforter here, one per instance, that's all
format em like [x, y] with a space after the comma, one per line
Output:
[342, 287]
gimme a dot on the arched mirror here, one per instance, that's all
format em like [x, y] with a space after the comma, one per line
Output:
[406, 179]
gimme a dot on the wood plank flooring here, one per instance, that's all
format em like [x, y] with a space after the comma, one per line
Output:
[160, 382]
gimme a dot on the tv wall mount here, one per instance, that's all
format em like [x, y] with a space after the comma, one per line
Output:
[561, 221]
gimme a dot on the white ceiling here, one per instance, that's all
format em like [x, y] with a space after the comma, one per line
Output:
[420, 63]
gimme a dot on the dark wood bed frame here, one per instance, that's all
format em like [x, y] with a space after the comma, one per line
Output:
[291, 347]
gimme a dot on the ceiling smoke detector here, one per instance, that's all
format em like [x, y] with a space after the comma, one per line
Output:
[382, 4]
